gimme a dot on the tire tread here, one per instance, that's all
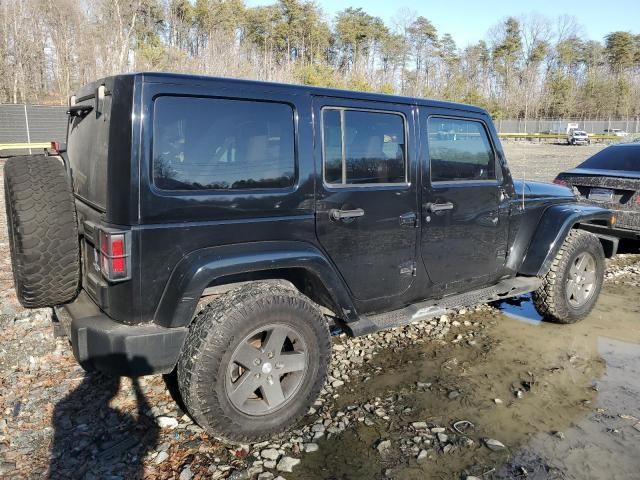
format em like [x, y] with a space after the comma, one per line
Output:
[211, 332]
[41, 219]
[549, 299]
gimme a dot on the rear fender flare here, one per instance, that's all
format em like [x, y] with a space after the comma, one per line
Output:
[201, 268]
[551, 232]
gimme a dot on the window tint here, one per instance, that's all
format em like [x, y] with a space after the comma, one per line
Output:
[208, 143]
[459, 150]
[616, 157]
[373, 150]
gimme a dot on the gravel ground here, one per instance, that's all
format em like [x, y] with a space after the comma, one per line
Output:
[60, 422]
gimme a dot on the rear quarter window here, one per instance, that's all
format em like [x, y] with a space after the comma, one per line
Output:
[222, 144]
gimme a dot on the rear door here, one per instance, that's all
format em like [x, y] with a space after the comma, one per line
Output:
[367, 204]
[464, 204]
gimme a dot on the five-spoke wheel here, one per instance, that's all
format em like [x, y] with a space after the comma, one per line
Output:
[581, 279]
[266, 369]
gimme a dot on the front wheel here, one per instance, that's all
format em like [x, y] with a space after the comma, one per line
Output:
[254, 361]
[573, 283]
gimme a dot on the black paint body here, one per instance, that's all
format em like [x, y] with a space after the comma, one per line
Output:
[396, 254]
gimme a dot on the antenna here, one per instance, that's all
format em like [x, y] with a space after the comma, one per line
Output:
[524, 176]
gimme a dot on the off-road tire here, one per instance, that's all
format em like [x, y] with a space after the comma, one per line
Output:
[43, 234]
[214, 334]
[550, 299]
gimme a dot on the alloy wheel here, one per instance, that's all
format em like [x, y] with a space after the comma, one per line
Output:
[266, 369]
[581, 280]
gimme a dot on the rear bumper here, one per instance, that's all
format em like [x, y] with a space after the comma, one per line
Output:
[129, 350]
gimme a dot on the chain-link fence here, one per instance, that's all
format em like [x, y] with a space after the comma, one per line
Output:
[30, 124]
[547, 125]
[33, 124]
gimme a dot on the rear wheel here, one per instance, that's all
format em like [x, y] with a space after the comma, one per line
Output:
[43, 234]
[573, 283]
[254, 361]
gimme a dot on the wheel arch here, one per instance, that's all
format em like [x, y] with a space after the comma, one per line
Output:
[216, 270]
[552, 230]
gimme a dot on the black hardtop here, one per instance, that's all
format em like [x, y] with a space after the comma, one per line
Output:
[210, 81]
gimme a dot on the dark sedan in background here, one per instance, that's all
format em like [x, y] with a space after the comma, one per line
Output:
[611, 178]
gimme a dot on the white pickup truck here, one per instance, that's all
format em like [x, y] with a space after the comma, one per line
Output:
[578, 137]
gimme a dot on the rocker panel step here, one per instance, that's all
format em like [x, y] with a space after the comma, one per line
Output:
[434, 308]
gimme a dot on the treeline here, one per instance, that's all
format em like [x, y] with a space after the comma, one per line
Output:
[527, 67]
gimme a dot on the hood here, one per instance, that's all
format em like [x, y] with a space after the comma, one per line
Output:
[542, 190]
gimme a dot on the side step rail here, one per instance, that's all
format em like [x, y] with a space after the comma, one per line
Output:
[426, 310]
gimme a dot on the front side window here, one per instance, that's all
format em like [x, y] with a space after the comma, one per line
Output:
[459, 150]
[363, 147]
[206, 143]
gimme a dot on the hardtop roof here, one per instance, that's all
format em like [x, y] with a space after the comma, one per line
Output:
[168, 77]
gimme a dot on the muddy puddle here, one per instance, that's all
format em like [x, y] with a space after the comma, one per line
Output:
[562, 399]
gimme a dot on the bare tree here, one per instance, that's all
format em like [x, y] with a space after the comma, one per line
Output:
[527, 67]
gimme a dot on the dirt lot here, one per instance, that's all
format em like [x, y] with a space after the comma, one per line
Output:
[543, 161]
[489, 393]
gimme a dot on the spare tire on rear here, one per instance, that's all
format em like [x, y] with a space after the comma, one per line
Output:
[42, 228]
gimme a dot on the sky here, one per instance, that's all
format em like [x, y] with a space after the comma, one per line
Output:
[468, 21]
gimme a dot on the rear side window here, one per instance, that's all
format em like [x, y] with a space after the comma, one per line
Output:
[459, 150]
[363, 147]
[205, 143]
[616, 157]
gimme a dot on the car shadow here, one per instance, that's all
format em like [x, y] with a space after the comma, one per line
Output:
[94, 440]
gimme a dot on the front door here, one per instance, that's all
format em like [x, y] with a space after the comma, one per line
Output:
[464, 207]
[366, 212]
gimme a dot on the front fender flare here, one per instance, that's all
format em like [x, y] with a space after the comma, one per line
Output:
[552, 230]
[200, 268]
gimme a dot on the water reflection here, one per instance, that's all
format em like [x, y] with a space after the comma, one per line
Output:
[603, 444]
[520, 308]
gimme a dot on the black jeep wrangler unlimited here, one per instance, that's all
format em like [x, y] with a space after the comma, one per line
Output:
[219, 227]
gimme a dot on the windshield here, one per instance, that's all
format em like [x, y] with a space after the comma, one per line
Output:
[625, 157]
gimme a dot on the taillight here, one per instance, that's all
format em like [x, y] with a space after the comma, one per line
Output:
[559, 181]
[115, 254]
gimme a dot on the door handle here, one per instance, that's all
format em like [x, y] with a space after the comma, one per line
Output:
[337, 214]
[439, 207]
